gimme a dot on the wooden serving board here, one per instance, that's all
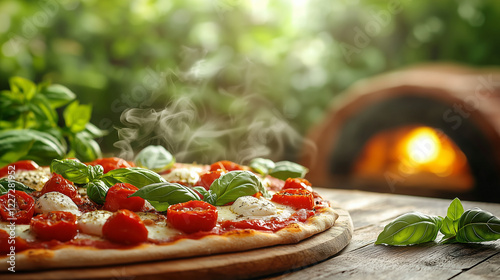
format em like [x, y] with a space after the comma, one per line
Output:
[239, 265]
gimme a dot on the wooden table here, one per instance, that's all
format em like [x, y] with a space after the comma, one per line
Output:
[361, 259]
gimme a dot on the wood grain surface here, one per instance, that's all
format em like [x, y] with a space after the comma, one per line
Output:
[361, 259]
[241, 265]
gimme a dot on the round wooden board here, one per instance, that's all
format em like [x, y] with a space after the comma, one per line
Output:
[239, 265]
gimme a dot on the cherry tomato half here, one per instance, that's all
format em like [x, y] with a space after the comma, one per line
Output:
[58, 225]
[208, 178]
[297, 198]
[17, 206]
[57, 183]
[192, 216]
[17, 166]
[111, 163]
[297, 183]
[118, 198]
[125, 227]
[9, 243]
[225, 165]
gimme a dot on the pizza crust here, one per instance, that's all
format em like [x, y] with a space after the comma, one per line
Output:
[233, 241]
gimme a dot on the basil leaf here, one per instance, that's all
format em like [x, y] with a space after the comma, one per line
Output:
[455, 210]
[85, 148]
[25, 87]
[57, 95]
[262, 165]
[234, 184]
[201, 190]
[44, 148]
[410, 229]
[477, 225]
[97, 191]
[156, 158]
[449, 228]
[159, 206]
[171, 193]
[76, 116]
[94, 132]
[42, 111]
[136, 176]
[6, 185]
[71, 170]
[21, 150]
[211, 198]
[94, 172]
[287, 169]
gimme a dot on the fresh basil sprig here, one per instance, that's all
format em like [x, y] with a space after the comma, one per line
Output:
[474, 225]
[281, 170]
[161, 195]
[6, 185]
[228, 187]
[96, 182]
[409, 229]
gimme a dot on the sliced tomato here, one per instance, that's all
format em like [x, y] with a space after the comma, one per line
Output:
[225, 165]
[297, 183]
[17, 166]
[10, 243]
[17, 206]
[297, 198]
[192, 216]
[125, 227]
[208, 178]
[118, 198]
[57, 183]
[111, 163]
[58, 225]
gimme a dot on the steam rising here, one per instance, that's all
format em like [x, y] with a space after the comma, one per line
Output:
[249, 128]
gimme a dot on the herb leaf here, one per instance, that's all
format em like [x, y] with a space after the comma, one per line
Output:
[156, 158]
[136, 176]
[287, 169]
[77, 116]
[57, 95]
[6, 185]
[161, 194]
[410, 229]
[97, 191]
[261, 165]
[71, 170]
[476, 225]
[228, 187]
[455, 210]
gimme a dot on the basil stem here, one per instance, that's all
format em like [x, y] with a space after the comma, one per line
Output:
[6, 185]
[136, 176]
[410, 229]
[477, 225]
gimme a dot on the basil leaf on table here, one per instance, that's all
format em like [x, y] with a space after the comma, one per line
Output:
[97, 191]
[476, 225]
[136, 176]
[72, 170]
[6, 185]
[410, 229]
[287, 169]
[161, 194]
[156, 158]
[228, 187]
[450, 222]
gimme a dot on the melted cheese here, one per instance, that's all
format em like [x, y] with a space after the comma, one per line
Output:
[226, 213]
[56, 201]
[186, 175]
[92, 222]
[35, 179]
[252, 206]
[22, 231]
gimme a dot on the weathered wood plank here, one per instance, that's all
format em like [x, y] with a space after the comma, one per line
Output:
[489, 269]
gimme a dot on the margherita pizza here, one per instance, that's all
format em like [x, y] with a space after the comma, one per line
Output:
[110, 211]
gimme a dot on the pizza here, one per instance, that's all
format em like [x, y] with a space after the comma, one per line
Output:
[112, 211]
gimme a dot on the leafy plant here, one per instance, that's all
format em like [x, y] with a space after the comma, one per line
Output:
[30, 129]
[473, 225]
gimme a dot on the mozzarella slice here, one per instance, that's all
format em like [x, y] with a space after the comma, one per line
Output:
[56, 201]
[252, 206]
[186, 175]
[92, 222]
[157, 226]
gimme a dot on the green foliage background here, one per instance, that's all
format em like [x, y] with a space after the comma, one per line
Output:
[231, 56]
